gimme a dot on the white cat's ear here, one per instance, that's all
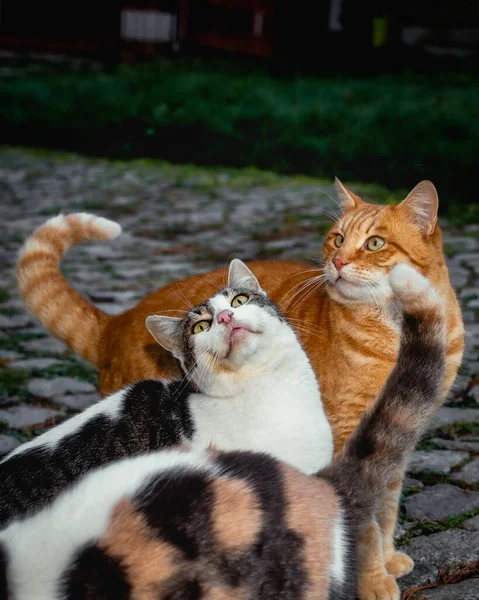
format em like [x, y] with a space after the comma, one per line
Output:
[347, 199]
[167, 332]
[422, 204]
[239, 276]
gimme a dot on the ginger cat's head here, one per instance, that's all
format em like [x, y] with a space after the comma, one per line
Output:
[367, 241]
[233, 335]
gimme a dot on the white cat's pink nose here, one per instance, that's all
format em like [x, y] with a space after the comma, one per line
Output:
[225, 316]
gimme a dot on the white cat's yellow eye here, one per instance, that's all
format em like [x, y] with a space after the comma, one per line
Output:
[375, 243]
[239, 300]
[201, 326]
[338, 240]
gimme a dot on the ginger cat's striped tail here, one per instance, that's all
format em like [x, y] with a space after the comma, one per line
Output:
[375, 454]
[45, 291]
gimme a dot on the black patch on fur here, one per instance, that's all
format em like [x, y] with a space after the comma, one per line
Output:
[95, 576]
[177, 506]
[261, 471]
[274, 565]
[185, 589]
[3, 573]
[153, 415]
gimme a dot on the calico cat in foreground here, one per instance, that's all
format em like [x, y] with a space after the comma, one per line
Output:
[248, 385]
[352, 357]
[203, 524]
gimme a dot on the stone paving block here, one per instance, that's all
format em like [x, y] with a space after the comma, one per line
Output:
[34, 364]
[15, 321]
[448, 415]
[466, 443]
[469, 473]
[7, 443]
[46, 345]
[24, 415]
[471, 524]
[435, 461]
[440, 501]
[9, 355]
[466, 590]
[461, 383]
[474, 392]
[49, 388]
[410, 484]
[446, 551]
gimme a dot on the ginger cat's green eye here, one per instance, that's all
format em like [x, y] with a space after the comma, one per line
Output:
[375, 243]
[338, 240]
[239, 300]
[201, 326]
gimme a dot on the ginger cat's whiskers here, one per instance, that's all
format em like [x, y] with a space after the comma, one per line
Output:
[304, 286]
[311, 326]
[309, 288]
[302, 282]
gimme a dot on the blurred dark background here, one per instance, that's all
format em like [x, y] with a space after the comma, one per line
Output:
[369, 91]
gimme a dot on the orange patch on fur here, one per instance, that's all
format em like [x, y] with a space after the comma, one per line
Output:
[374, 581]
[149, 562]
[236, 516]
[403, 418]
[313, 509]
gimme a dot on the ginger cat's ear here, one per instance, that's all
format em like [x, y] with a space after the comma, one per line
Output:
[167, 332]
[239, 276]
[347, 199]
[422, 204]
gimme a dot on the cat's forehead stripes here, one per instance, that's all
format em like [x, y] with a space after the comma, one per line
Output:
[364, 219]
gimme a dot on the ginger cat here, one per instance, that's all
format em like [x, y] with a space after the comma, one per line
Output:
[351, 341]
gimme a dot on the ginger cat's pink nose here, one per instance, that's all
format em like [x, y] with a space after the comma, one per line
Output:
[339, 262]
[225, 316]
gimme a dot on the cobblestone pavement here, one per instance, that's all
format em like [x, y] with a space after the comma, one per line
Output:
[182, 220]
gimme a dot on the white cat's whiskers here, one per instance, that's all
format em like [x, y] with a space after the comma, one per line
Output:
[181, 296]
[186, 379]
[302, 323]
[205, 367]
[214, 282]
[305, 330]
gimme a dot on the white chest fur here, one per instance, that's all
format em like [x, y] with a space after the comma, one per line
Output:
[278, 413]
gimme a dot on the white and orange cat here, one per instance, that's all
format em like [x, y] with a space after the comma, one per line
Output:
[207, 525]
[344, 325]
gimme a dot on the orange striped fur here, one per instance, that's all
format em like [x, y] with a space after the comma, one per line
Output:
[352, 345]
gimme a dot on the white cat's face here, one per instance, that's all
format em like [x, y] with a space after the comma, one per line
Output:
[236, 333]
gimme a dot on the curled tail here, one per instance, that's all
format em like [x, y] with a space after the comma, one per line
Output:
[45, 291]
[375, 454]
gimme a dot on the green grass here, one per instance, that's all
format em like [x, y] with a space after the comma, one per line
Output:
[12, 382]
[458, 429]
[395, 129]
[77, 370]
[427, 527]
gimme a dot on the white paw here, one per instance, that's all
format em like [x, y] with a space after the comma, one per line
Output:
[404, 279]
